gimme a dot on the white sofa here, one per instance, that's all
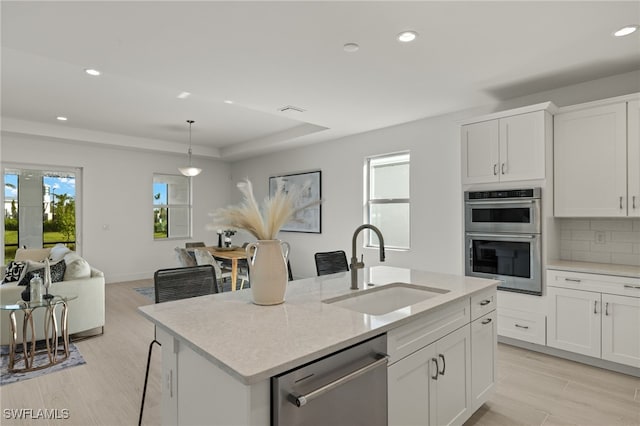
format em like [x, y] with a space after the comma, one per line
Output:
[86, 312]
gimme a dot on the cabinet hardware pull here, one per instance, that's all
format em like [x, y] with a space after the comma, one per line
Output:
[495, 169]
[437, 368]
[502, 167]
[606, 309]
[634, 202]
[620, 203]
[526, 327]
[487, 321]
[485, 302]
[573, 280]
[595, 306]
[444, 364]
[520, 236]
[471, 254]
[637, 287]
[301, 400]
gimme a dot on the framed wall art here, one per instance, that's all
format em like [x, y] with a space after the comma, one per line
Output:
[309, 219]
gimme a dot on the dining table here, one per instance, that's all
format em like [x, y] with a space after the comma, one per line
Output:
[230, 253]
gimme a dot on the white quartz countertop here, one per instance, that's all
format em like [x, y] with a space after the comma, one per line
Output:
[595, 268]
[253, 343]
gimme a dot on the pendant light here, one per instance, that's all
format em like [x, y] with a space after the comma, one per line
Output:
[190, 170]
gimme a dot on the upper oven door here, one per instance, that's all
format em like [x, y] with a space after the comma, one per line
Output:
[519, 216]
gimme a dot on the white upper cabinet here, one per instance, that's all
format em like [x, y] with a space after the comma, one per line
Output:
[633, 161]
[597, 161]
[508, 148]
[480, 152]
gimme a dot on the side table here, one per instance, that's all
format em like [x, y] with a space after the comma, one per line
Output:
[52, 332]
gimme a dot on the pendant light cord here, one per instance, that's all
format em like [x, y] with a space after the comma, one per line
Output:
[190, 123]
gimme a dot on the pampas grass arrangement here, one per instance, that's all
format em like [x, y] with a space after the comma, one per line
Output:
[266, 223]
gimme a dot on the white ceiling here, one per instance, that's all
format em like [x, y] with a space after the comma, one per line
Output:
[265, 55]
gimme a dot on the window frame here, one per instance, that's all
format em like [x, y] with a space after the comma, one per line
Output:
[78, 173]
[188, 205]
[369, 240]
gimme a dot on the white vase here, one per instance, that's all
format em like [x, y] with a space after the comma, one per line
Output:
[268, 271]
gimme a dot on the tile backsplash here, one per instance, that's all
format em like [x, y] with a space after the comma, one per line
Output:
[600, 240]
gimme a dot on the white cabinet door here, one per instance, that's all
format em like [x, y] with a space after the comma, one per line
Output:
[450, 396]
[621, 329]
[480, 158]
[633, 158]
[590, 162]
[522, 146]
[574, 321]
[483, 354]
[408, 384]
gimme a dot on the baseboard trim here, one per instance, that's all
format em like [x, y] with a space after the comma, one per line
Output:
[595, 362]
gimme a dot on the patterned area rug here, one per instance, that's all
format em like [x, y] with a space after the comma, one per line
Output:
[75, 358]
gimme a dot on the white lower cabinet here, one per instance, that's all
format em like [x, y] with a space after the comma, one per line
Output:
[442, 366]
[574, 321]
[484, 338]
[432, 386]
[621, 329]
[587, 317]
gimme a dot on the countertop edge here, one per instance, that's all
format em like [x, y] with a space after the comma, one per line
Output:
[626, 271]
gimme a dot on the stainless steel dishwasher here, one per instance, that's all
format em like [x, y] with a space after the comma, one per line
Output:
[345, 388]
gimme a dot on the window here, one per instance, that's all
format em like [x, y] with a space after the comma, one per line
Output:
[171, 206]
[39, 208]
[387, 199]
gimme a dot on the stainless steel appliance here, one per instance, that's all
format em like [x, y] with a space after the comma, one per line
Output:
[345, 388]
[503, 238]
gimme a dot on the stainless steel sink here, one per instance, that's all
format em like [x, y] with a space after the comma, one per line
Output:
[384, 299]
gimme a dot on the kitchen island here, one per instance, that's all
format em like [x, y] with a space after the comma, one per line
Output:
[219, 352]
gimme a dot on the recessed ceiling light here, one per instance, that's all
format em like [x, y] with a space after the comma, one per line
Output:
[61, 118]
[184, 95]
[92, 72]
[407, 36]
[228, 102]
[626, 30]
[351, 47]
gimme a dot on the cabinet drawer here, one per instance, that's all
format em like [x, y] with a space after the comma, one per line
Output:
[425, 330]
[522, 325]
[623, 286]
[483, 303]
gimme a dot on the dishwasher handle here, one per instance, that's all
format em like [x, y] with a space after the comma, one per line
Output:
[300, 400]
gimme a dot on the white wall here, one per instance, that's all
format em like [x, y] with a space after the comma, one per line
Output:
[436, 209]
[117, 192]
[117, 188]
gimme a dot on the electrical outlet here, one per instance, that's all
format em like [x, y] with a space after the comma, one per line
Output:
[601, 237]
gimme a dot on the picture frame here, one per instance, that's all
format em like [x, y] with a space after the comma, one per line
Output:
[310, 219]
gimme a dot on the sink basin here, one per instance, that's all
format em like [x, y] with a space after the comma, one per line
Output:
[384, 299]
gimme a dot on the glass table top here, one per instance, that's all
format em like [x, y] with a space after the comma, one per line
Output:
[54, 300]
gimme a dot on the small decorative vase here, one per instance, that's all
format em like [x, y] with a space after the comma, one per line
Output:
[268, 271]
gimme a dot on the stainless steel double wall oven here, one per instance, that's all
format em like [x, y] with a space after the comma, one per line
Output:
[503, 238]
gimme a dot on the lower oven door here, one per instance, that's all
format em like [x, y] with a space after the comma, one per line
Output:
[514, 259]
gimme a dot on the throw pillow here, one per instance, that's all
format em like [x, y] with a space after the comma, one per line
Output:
[57, 272]
[77, 267]
[14, 271]
[58, 252]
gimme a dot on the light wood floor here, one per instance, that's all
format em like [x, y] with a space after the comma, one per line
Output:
[533, 389]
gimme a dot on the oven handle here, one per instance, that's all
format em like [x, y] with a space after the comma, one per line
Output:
[489, 202]
[529, 236]
[300, 400]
